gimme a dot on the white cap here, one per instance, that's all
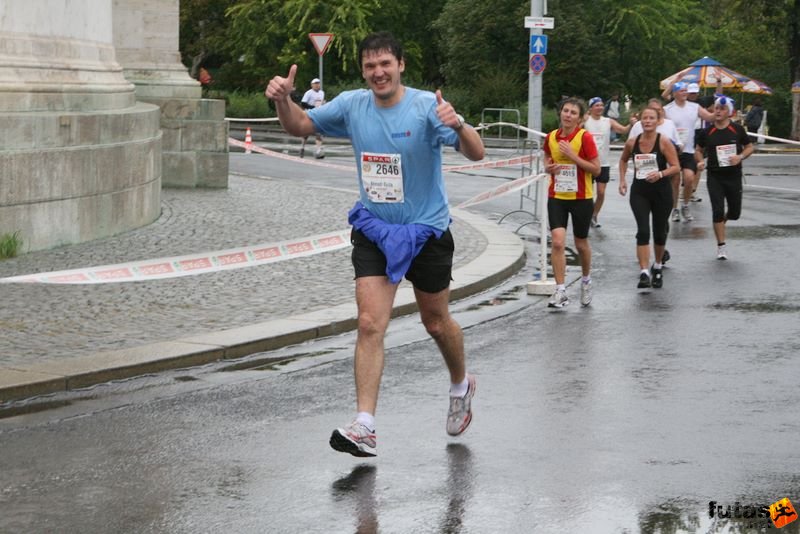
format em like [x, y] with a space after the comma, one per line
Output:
[315, 80]
[693, 88]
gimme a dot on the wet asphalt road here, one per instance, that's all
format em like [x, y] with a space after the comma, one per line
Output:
[627, 416]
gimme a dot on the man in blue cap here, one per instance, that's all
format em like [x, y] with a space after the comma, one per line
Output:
[725, 144]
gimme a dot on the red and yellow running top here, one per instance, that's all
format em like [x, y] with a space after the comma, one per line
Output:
[573, 182]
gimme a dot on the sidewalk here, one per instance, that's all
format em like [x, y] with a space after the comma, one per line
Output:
[61, 337]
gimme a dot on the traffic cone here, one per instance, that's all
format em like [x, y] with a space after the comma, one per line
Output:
[248, 141]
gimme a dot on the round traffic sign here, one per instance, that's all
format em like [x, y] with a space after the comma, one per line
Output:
[538, 63]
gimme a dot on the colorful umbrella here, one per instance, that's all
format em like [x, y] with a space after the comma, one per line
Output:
[706, 71]
[796, 87]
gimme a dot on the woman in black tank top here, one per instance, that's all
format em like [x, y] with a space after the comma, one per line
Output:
[654, 160]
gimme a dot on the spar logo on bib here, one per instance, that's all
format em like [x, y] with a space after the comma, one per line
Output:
[399, 135]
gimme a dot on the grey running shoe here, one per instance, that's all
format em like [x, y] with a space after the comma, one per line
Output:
[355, 439]
[644, 281]
[665, 258]
[658, 278]
[459, 416]
[722, 252]
[676, 215]
[595, 224]
[686, 214]
[586, 293]
[559, 299]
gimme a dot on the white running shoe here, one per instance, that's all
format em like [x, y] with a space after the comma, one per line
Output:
[559, 299]
[722, 252]
[586, 293]
[459, 415]
[355, 439]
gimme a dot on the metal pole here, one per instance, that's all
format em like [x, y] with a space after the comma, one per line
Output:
[535, 80]
[542, 286]
[320, 71]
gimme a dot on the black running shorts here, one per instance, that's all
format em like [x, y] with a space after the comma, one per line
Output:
[431, 271]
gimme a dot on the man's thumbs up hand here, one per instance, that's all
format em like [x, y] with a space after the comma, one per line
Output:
[280, 88]
[446, 112]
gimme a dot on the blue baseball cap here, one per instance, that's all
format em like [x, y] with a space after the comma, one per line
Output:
[594, 100]
[679, 86]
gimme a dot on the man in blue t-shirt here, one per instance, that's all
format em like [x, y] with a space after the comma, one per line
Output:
[400, 224]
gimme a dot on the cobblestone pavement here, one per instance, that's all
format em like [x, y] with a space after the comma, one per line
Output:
[42, 323]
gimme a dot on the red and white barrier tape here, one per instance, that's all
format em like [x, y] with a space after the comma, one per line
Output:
[504, 189]
[280, 155]
[482, 165]
[223, 260]
[520, 160]
[192, 264]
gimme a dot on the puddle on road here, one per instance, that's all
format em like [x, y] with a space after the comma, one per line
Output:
[767, 306]
[30, 406]
[761, 232]
[506, 296]
[185, 378]
[273, 363]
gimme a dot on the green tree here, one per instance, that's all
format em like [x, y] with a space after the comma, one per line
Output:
[479, 50]
[267, 36]
[761, 38]
[483, 53]
[417, 34]
[203, 32]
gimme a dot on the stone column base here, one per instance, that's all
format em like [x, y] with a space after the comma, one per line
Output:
[68, 177]
[195, 143]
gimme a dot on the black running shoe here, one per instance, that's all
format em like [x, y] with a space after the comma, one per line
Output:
[658, 278]
[644, 281]
[665, 257]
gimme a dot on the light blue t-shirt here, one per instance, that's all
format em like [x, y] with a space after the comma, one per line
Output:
[410, 128]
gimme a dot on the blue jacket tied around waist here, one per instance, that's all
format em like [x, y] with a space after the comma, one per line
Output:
[400, 243]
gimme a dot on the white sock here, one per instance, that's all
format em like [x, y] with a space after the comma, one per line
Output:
[459, 390]
[656, 266]
[646, 271]
[561, 287]
[586, 279]
[366, 419]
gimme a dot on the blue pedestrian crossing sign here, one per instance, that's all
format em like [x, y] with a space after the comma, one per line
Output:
[538, 44]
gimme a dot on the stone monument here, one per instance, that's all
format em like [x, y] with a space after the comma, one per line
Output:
[195, 142]
[97, 113]
[79, 157]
